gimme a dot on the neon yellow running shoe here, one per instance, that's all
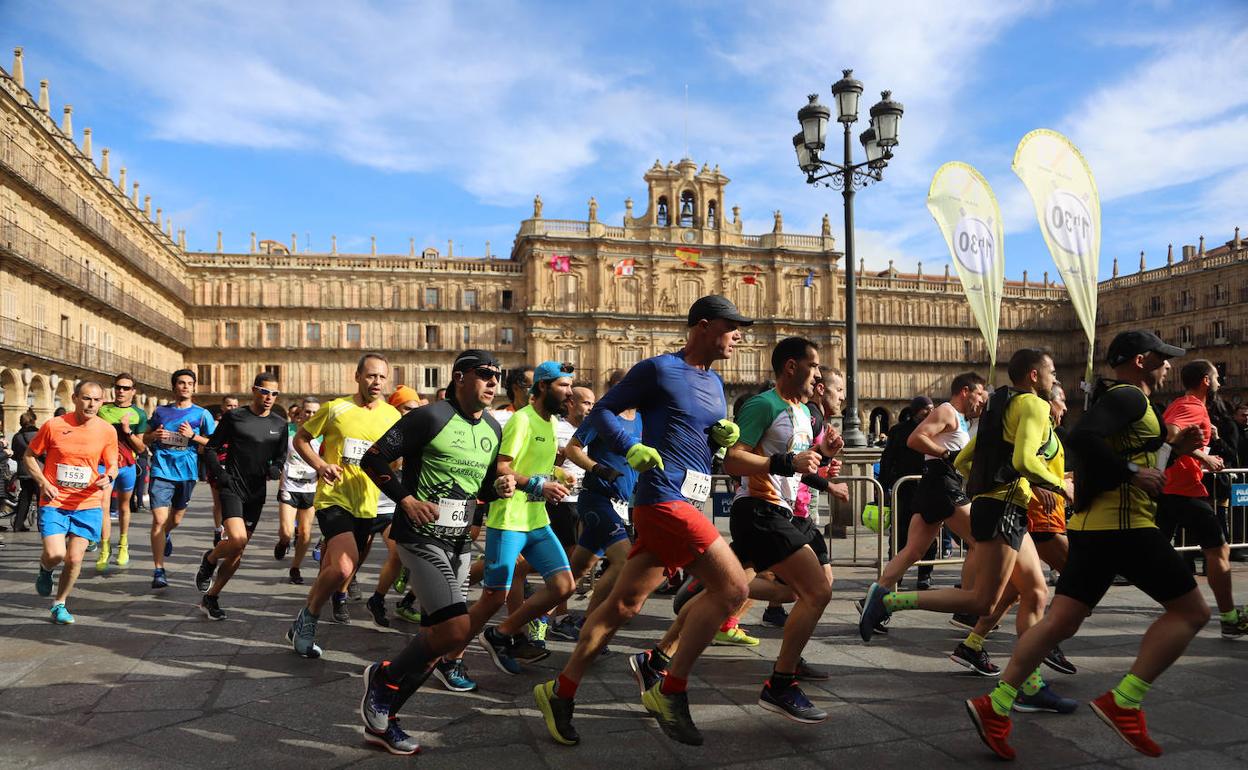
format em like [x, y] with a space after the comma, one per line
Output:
[734, 637]
[101, 562]
[123, 551]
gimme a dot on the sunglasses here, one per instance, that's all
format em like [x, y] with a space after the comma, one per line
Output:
[123, 387]
[267, 392]
[567, 368]
[486, 373]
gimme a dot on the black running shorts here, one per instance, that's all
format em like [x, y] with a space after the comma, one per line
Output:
[335, 520]
[1142, 556]
[235, 506]
[563, 520]
[940, 492]
[992, 518]
[1195, 515]
[764, 534]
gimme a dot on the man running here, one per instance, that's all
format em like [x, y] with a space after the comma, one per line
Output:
[130, 423]
[346, 501]
[254, 443]
[1185, 500]
[228, 404]
[295, 493]
[682, 407]
[520, 526]
[74, 447]
[449, 451]
[1117, 446]
[563, 515]
[175, 433]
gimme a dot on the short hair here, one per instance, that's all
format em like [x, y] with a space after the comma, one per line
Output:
[123, 376]
[228, 396]
[830, 371]
[790, 349]
[265, 376]
[84, 383]
[439, 390]
[173, 378]
[359, 366]
[310, 400]
[614, 376]
[583, 384]
[515, 377]
[1194, 371]
[28, 419]
[1024, 361]
[965, 380]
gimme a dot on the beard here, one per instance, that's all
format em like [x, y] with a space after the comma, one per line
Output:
[554, 405]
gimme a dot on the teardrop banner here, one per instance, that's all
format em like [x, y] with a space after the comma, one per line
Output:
[962, 203]
[1069, 211]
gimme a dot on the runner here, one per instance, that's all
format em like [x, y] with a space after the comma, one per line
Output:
[1010, 452]
[519, 384]
[254, 442]
[74, 447]
[563, 514]
[519, 526]
[174, 435]
[1185, 500]
[1117, 445]
[449, 452]
[130, 423]
[295, 493]
[682, 407]
[228, 404]
[346, 501]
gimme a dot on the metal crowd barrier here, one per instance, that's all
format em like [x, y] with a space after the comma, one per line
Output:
[940, 534]
[1232, 512]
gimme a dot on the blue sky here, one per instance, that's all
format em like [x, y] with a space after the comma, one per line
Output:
[441, 120]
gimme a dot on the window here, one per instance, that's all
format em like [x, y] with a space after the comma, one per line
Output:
[431, 298]
[506, 299]
[1155, 305]
[712, 215]
[431, 378]
[627, 358]
[275, 370]
[470, 299]
[1219, 331]
[203, 376]
[232, 379]
[431, 337]
[397, 373]
[507, 336]
[566, 291]
[272, 334]
[662, 218]
[467, 334]
[1185, 300]
[231, 332]
[1185, 335]
[353, 335]
[314, 333]
[688, 205]
[629, 293]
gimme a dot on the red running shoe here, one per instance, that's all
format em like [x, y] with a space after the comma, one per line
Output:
[1128, 723]
[993, 728]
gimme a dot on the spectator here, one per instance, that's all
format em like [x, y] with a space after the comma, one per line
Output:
[899, 460]
[28, 489]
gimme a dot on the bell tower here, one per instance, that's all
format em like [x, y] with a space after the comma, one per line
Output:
[682, 200]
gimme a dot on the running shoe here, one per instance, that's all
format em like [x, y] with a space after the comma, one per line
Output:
[296, 578]
[924, 583]
[378, 698]
[527, 650]
[453, 675]
[976, 660]
[1045, 700]
[672, 585]
[557, 712]
[43, 582]
[688, 589]
[101, 563]
[203, 578]
[316, 550]
[963, 620]
[393, 739]
[302, 635]
[1056, 660]
[1238, 629]
[873, 611]
[646, 676]
[536, 630]
[775, 617]
[377, 606]
[353, 590]
[566, 629]
[500, 648]
[882, 626]
[808, 673]
[123, 553]
[216, 536]
[279, 550]
[168, 546]
[211, 609]
[400, 583]
[1128, 723]
[734, 637]
[60, 615]
[91, 546]
[672, 712]
[407, 612]
[159, 579]
[792, 703]
[341, 615]
[994, 729]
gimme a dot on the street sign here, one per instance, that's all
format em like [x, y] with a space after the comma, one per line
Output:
[1239, 494]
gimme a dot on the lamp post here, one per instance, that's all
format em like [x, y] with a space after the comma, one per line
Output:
[877, 142]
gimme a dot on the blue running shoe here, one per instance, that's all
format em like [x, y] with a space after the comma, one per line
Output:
[43, 582]
[873, 611]
[168, 546]
[158, 578]
[378, 696]
[499, 646]
[1045, 700]
[61, 616]
[302, 635]
[792, 703]
[454, 676]
[392, 739]
[646, 676]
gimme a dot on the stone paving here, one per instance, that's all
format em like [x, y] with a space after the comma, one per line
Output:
[143, 680]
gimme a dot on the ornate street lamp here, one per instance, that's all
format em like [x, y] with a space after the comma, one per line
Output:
[878, 142]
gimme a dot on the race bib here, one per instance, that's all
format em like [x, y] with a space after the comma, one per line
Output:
[353, 450]
[697, 486]
[621, 508]
[177, 441]
[73, 476]
[300, 473]
[452, 514]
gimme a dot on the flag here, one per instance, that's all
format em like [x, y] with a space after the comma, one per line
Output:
[561, 263]
[753, 272]
[964, 207]
[624, 267]
[1069, 210]
[810, 280]
[750, 279]
[688, 256]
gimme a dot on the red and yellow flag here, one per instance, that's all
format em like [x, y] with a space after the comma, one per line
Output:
[688, 256]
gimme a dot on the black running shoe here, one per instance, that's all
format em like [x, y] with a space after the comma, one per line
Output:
[672, 712]
[203, 578]
[279, 550]
[963, 620]
[341, 615]
[792, 703]
[377, 606]
[1056, 660]
[295, 577]
[977, 661]
[208, 605]
[557, 713]
[646, 676]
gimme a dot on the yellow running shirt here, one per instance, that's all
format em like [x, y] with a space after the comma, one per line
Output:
[348, 430]
[1124, 506]
[1029, 430]
[530, 443]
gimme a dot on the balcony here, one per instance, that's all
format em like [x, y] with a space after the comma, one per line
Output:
[39, 343]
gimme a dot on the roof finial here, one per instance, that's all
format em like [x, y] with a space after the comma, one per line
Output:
[219, 244]
[121, 181]
[1115, 267]
[1201, 252]
[19, 72]
[147, 207]
[487, 249]
[411, 247]
[104, 161]
[135, 196]
[182, 238]
[1236, 242]
[45, 103]
[67, 121]
[86, 142]
[1170, 254]
[450, 248]
[253, 243]
[373, 248]
[1025, 279]
[1142, 267]
[333, 244]
[294, 243]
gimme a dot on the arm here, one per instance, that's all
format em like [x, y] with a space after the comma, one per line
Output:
[109, 458]
[637, 387]
[1111, 413]
[1033, 428]
[743, 460]
[37, 447]
[923, 439]
[278, 462]
[223, 432]
[133, 434]
[577, 454]
[963, 461]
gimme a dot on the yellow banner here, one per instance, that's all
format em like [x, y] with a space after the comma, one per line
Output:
[1069, 210]
[970, 219]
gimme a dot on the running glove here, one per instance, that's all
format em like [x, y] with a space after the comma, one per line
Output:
[643, 458]
[605, 472]
[725, 433]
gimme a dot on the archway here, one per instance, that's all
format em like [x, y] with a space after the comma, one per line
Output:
[64, 394]
[879, 422]
[39, 396]
[12, 399]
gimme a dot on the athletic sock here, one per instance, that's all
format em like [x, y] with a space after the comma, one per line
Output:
[901, 601]
[565, 688]
[974, 641]
[673, 684]
[340, 596]
[730, 624]
[658, 661]
[779, 682]
[1003, 697]
[1033, 683]
[379, 596]
[1230, 616]
[1130, 692]
[415, 658]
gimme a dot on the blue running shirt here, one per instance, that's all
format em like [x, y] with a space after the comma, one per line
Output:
[179, 461]
[600, 450]
[678, 404]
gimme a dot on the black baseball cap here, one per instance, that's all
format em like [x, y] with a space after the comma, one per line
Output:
[714, 306]
[471, 359]
[921, 402]
[1128, 345]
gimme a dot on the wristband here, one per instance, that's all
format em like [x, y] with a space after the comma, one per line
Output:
[782, 465]
[533, 487]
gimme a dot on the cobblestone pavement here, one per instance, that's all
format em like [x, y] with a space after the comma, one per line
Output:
[143, 680]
